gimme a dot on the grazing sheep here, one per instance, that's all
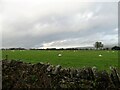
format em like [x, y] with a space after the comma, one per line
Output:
[59, 55]
[100, 55]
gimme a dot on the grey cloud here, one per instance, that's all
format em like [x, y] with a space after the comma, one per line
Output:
[86, 23]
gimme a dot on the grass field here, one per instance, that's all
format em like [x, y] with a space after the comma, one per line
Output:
[75, 59]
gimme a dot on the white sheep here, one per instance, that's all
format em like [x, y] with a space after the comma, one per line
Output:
[59, 55]
[100, 55]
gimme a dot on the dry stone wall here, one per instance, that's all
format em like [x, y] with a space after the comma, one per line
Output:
[18, 74]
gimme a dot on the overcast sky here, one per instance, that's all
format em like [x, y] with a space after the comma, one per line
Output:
[58, 23]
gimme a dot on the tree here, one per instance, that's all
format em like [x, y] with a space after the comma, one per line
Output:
[98, 45]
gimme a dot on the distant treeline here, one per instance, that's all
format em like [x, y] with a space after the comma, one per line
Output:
[113, 48]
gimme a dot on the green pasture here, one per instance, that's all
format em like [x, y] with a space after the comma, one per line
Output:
[69, 58]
